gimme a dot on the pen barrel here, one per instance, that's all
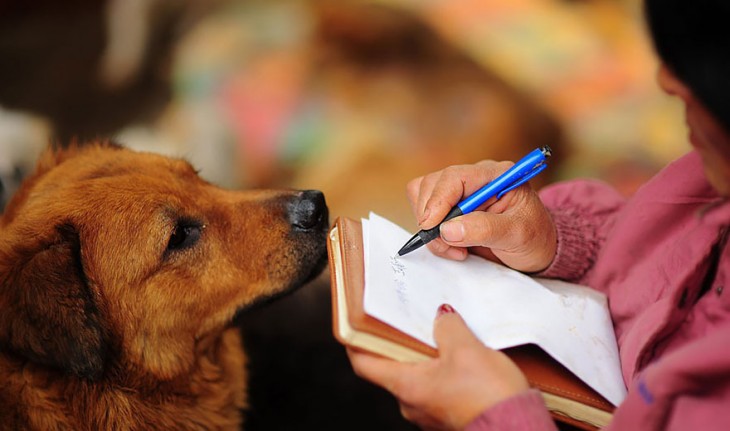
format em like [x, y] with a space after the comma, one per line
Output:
[503, 182]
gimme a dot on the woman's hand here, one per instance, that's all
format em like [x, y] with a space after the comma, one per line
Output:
[448, 392]
[516, 230]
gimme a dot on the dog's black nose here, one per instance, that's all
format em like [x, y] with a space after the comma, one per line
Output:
[308, 210]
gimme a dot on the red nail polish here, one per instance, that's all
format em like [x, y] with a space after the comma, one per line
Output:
[445, 308]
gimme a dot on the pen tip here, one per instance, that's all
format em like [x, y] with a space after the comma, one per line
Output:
[411, 245]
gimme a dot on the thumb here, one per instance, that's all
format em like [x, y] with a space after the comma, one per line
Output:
[479, 228]
[450, 331]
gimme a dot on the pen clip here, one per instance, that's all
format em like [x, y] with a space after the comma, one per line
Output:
[527, 177]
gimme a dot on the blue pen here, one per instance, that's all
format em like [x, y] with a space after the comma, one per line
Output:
[530, 165]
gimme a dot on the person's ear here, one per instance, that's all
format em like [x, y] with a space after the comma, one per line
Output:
[672, 85]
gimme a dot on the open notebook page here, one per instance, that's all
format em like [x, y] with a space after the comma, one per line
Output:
[503, 307]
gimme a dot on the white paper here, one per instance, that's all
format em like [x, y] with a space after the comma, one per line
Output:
[503, 307]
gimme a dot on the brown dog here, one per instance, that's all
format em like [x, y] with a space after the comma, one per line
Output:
[120, 273]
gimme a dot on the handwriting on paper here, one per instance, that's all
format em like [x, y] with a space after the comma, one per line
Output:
[399, 276]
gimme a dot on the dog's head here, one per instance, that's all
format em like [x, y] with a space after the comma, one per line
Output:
[109, 256]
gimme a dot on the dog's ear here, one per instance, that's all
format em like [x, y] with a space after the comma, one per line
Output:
[48, 313]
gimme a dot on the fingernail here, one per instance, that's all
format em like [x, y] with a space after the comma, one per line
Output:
[444, 309]
[452, 231]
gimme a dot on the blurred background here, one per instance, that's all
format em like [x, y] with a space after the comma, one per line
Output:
[351, 97]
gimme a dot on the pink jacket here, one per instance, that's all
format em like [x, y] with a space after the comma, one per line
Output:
[661, 259]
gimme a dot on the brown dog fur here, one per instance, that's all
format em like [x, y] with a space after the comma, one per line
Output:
[112, 315]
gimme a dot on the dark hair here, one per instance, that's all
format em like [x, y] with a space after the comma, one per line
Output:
[692, 37]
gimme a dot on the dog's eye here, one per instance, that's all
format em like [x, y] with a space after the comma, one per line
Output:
[184, 236]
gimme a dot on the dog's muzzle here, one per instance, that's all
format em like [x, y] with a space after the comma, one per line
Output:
[308, 211]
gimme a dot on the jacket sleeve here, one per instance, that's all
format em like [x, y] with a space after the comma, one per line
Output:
[523, 412]
[583, 212]
[687, 389]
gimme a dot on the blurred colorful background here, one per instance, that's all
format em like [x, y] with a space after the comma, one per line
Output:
[351, 97]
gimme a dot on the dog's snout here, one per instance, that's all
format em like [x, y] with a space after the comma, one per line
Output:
[308, 210]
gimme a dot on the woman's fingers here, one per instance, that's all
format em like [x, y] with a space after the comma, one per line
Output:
[432, 196]
[516, 230]
[449, 391]
[440, 248]
[451, 333]
[480, 228]
[455, 184]
[381, 371]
